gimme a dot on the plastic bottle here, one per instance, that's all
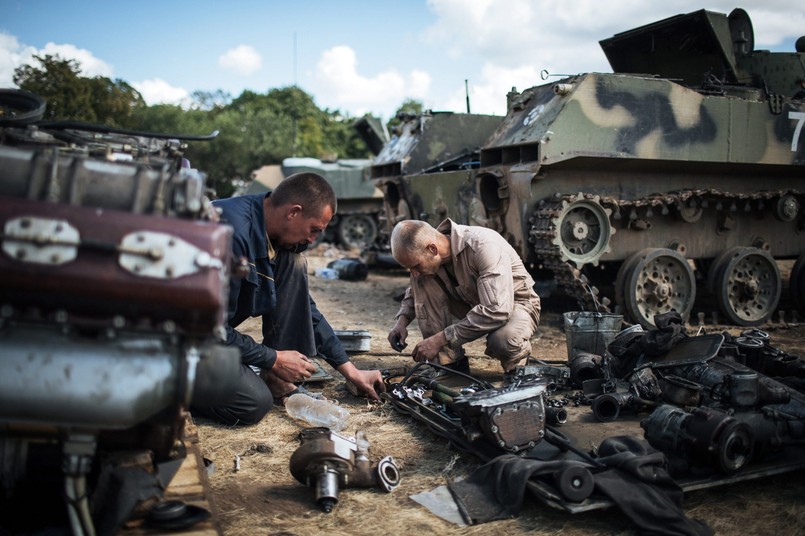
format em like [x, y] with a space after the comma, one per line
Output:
[316, 412]
[326, 273]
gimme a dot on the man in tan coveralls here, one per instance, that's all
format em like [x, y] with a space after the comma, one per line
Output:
[466, 282]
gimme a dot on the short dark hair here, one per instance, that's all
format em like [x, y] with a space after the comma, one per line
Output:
[310, 190]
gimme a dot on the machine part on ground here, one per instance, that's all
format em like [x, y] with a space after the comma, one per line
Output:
[704, 437]
[479, 418]
[327, 461]
[555, 415]
[677, 157]
[512, 418]
[575, 483]
[555, 377]
[112, 304]
[680, 392]
[712, 405]
[175, 515]
[608, 407]
[752, 349]
[590, 331]
[585, 366]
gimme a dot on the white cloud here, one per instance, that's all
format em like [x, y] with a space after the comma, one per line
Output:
[90, 65]
[514, 40]
[342, 86]
[243, 60]
[13, 55]
[157, 91]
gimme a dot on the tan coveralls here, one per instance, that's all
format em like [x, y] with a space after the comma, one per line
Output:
[489, 292]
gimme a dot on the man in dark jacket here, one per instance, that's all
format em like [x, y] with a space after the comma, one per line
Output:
[271, 231]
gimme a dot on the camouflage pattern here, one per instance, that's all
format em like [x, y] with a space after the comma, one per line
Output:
[635, 191]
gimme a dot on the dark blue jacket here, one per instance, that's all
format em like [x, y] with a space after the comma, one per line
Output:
[256, 295]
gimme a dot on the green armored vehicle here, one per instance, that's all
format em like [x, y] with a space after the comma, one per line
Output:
[681, 174]
[360, 204]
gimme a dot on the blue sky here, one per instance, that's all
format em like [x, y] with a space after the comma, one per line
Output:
[351, 55]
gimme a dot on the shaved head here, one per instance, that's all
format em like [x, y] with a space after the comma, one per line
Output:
[409, 236]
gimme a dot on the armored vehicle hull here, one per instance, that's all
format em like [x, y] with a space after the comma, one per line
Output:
[642, 192]
[430, 163]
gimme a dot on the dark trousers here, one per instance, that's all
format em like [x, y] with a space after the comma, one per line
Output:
[290, 327]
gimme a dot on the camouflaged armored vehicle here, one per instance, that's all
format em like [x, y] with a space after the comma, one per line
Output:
[429, 163]
[678, 176]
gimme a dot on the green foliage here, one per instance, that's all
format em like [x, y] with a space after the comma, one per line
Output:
[408, 106]
[69, 96]
[255, 129]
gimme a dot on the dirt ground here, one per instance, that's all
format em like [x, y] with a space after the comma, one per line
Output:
[262, 497]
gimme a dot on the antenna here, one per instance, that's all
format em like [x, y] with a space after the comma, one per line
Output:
[467, 93]
[294, 111]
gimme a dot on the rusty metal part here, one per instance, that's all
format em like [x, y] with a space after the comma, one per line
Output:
[327, 461]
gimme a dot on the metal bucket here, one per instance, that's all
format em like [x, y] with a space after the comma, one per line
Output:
[590, 332]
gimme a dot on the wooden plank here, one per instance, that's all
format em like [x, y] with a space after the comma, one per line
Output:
[191, 486]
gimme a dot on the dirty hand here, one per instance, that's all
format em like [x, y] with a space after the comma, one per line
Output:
[427, 349]
[292, 367]
[397, 336]
[368, 382]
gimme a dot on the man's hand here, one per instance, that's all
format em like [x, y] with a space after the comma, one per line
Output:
[427, 349]
[368, 382]
[398, 334]
[293, 367]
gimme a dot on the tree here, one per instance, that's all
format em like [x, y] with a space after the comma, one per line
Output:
[408, 106]
[70, 96]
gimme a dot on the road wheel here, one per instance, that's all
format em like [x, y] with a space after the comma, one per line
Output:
[656, 281]
[357, 231]
[747, 285]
